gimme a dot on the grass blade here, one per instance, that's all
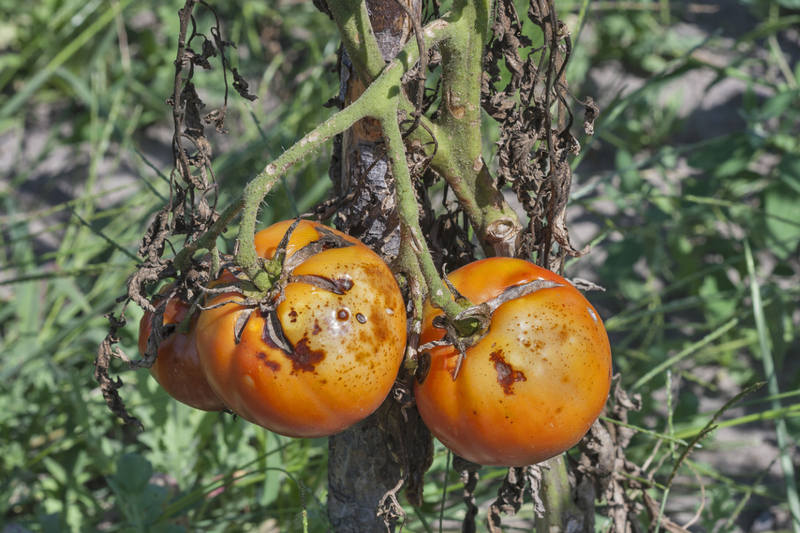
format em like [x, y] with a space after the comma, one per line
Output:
[772, 383]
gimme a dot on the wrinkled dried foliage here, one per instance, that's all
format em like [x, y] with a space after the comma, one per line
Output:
[188, 213]
[535, 146]
[603, 468]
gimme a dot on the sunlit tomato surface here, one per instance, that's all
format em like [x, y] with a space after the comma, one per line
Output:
[177, 367]
[532, 387]
[345, 349]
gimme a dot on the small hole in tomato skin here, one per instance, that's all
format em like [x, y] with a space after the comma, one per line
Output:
[343, 314]
[345, 283]
[361, 318]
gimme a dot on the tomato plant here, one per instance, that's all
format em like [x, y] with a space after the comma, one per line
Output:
[177, 366]
[531, 388]
[321, 358]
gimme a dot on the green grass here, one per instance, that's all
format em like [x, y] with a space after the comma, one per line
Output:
[699, 243]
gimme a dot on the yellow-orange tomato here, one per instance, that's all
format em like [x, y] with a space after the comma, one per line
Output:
[177, 367]
[344, 350]
[532, 387]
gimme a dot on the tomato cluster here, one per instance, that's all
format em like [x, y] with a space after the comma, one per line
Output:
[320, 357]
[343, 338]
[322, 351]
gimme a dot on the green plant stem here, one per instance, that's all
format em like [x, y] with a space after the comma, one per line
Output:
[414, 257]
[711, 337]
[382, 100]
[772, 383]
[777, 53]
[561, 512]
[461, 35]
[382, 94]
[249, 201]
[247, 259]
[458, 130]
[410, 231]
[359, 40]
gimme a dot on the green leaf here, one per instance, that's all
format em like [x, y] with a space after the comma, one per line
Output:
[133, 473]
[631, 181]
[777, 105]
[783, 220]
[723, 157]
[717, 309]
[789, 4]
[789, 171]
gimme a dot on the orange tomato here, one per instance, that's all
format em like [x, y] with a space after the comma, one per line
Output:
[344, 323]
[532, 387]
[177, 366]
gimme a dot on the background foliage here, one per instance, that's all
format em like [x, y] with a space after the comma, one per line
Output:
[688, 194]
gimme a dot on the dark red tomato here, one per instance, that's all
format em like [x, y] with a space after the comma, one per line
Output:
[177, 367]
[532, 387]
[344, 325]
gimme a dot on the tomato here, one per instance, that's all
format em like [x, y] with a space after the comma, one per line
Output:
[177, 366]
[532, 387]
[342, 351]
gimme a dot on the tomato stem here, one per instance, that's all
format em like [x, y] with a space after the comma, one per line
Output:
[458, 131]
[462, 36]
[412, 240]
[247, 259]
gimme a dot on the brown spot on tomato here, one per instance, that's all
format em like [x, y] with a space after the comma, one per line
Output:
[345, 283]
[317, 328]
[506, 376]
[343, 314]
[304, 359]
[272, 365]
[293, 315]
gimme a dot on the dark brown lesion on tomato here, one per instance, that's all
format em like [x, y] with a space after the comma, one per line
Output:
[339, 286]
[272, 365]
[423, 366]
[303, 358]
[506, 376]
[345, 283]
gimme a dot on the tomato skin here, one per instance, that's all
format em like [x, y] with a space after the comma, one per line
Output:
[532, 387]
[177, 366]
[347, 347]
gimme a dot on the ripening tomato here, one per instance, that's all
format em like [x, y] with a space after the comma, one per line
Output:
[532, 387]
[330, 356]
[177, 367]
